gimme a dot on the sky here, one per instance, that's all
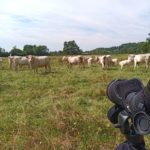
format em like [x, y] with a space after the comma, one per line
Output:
[91, 23]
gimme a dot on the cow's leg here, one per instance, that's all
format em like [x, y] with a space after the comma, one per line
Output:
[49, 68]
[146, 64]
[45, 68]
[121, 67]
[135, 63]
[103, 66]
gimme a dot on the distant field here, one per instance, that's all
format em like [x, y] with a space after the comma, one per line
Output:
[65, 109]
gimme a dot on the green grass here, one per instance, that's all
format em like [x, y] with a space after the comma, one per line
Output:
[65, 109]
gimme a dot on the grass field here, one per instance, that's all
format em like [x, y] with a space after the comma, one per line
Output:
[62, 110]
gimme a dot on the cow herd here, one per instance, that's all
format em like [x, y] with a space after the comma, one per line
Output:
[106, 61]
[32, 62]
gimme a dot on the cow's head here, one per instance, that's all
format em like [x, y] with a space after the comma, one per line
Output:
[31, 58]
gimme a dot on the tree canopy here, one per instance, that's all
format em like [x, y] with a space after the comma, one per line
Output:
[3, 53]
[71, 48]
[30, 50]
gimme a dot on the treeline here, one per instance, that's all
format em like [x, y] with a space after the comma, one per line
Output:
[140, 47]
[71, 48]
[30, 50]
[122, 49]
[27, 50]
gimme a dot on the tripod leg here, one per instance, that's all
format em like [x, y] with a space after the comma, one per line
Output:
[127, 145]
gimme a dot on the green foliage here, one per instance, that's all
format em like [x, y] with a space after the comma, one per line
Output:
[122, 49]
[3, 53]
[42, 50]
[29, 49]
[56, 53]
[36, 50]
[16, 51]
[144, 47]
[140, 47]
[148, 39]
[71, 48]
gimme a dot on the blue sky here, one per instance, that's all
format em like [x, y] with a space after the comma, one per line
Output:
[91, 23]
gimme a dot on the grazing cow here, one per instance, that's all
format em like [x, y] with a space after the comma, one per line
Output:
[128, 61]
[105, 61]
[125, 62]
[131, 57]
[74, 60]
[101, 61]
[114, 61]
[96, 58]
[11, 60]
[39, 61]
[85, 59]
[89, 61]
[20, 61]
[1, 61]
[142, 58]
[65, 59]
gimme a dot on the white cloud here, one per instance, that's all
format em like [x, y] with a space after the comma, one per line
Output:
[96, 23]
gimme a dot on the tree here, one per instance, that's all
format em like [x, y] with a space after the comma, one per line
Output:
[71, 48]
[148, 39]
[143, 47]
[146, 45]
[35, 50]
[29, 49]
[3, 53]
[16, 51]
[41, 50]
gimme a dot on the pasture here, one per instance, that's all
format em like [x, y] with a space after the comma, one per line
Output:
[62, 110]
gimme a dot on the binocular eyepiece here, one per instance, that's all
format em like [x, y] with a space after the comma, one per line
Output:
[132, 101]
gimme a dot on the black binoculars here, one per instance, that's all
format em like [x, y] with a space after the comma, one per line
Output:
[131, 111]
[132, 105]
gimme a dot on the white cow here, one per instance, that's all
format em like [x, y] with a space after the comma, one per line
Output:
[96, 58]
[74, 60]
[85, 59]
[105, 61]
[11, 60]
[20, 61]
[131, 57]
[65, 59]
[142, 58]
[101, 61]
[39, 61]
[114, 61]
[125, 62]
[89, 61]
